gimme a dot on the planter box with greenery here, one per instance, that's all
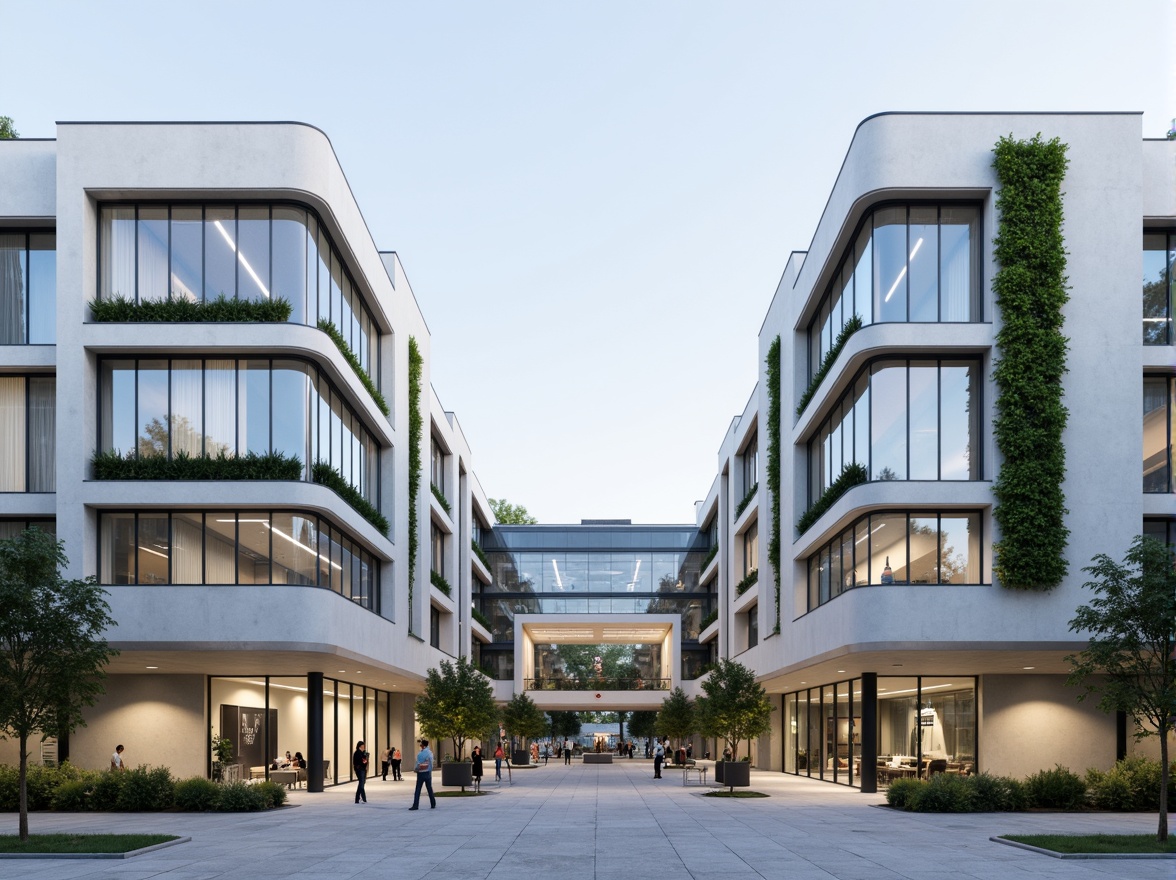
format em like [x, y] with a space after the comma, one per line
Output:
[440, 583]
[851, 475]
[734, 708]
[181, 466]
[327, 476]
[220, 310]
[441, 499]
[748, 582]
[747, 499]
[850, 327]
[733, 773]
[458, 704]
[353, 362]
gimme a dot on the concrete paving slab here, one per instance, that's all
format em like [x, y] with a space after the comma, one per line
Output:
[594, 823]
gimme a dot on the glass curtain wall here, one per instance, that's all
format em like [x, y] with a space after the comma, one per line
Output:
[210, 406]
[899, 548]
[28, 433]
[219, 547]
[1159, 402]
[28, 288]
[926, 725]
[902, 420]
[238, 251]
[1159, 287]
[908, 263]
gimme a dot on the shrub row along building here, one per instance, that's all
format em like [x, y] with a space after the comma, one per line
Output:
[215, 388]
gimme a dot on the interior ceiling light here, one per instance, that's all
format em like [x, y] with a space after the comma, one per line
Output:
[244, 262]
[901, 274]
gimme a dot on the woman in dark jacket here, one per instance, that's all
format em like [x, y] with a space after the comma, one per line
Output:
[476, 771]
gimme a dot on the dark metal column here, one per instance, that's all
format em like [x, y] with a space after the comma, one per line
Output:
[869, 733]
[314, 731]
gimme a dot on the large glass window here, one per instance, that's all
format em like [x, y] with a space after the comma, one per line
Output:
[201, 252]
[28, 433]
[1159, 401]
[28, 288]
[917, 263]
[925, 547]
[212, 406]
[1159, 287]
[234, 547]
[902, 420]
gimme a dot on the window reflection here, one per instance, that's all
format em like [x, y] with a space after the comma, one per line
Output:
[902, 420]
[1159, 402]
[212, 406]
[201, 252]
[28, 288]
[895, 548]
[234, 547]
[918, 263]
[1159, 287]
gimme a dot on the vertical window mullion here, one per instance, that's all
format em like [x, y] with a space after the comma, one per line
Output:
[169, 253]
[168, 416]
[135, 408]
[135, 232]
[236, 252]
[203, 251]
[939, 266]
[204, 548]
[939, 420]
[135, 545]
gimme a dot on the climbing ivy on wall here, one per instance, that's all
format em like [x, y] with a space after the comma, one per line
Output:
[1030, 291]
[773, 380]
[415, 431]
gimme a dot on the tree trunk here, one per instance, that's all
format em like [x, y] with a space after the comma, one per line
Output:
[24, 789]
[1165, 772]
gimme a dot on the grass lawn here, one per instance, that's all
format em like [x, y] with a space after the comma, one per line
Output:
[736, 794]
[1096, 843]
[81, 843]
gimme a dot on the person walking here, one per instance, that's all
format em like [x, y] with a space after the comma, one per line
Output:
[424, 774]
[359, 763]
[116, 761]
[499, 754]
[659, 755]
[385, 759]
[476, 768]
[396, 759]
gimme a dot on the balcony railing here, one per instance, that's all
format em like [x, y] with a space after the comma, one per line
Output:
[596, 684]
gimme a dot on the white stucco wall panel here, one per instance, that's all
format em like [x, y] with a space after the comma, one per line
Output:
[1033, 722]
[29, 171]
[1159, 172]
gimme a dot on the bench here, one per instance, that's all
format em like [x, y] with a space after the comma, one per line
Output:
[288, 777]
[698, 771]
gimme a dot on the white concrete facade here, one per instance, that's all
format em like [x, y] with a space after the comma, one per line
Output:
[175, 634]
[1013, 642]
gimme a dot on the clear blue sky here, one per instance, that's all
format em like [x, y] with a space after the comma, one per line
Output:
[593, 201]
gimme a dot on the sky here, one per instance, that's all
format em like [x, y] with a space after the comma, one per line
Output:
[593, 201]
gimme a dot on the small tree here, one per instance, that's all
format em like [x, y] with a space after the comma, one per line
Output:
[677, 718]
[458, 704]
[1129, 661]
[735, 706]
[522, 718]
[7, 131]
[52, 652]
[643, 725]
[509, 514]
[565, 724]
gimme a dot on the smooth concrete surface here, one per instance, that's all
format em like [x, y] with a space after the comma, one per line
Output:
[594, 823]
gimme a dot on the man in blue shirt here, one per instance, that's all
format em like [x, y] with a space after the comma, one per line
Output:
[424, 772]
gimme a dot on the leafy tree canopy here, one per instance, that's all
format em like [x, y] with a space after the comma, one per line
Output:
[458, 704]
[522, 718]
[565, 724]
[677, 718]
[1129, 661]
[643, 725]
[7, 132]
[735, 706]
[52, 651]
[509, 514]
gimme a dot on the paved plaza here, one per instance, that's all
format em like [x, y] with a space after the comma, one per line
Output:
[591, 823]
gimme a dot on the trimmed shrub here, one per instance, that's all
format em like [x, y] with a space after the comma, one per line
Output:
[197, 795]
[219, 310]
[902, 793]
[993, 794]
[944, 793]
[1057, 789]
[271, 466]
[853, 474]
[1133, 784]
[327, 476]
[850, 327]
[74, 796]
[348, 355]
[107, 788]
[273, 794]
[240, 797]
[145, 789]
